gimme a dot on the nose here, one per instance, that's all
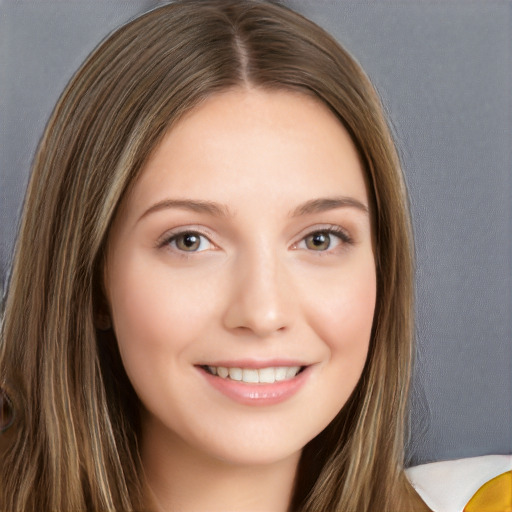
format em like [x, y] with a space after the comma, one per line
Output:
[260, 302]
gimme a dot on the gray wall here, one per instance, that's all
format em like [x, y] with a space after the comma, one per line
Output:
[444, 71]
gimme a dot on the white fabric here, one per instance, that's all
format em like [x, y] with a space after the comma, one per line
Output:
[447, 486]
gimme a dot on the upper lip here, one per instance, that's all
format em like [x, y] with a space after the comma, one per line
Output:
[256, 364]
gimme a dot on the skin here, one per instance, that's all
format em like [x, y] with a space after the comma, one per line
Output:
[255, 287]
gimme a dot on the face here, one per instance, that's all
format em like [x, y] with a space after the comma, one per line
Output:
[241, 277]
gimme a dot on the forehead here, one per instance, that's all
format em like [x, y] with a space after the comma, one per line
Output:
[280, 144]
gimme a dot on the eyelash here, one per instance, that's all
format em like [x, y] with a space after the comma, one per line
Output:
[341, 234]
[337, 231]
[172, 237]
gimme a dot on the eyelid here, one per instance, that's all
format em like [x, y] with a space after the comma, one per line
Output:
[331, 229]
[172, 234]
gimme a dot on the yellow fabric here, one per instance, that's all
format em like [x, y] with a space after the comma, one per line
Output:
[494, 496]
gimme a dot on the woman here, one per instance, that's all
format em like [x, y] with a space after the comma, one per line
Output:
[210, 305]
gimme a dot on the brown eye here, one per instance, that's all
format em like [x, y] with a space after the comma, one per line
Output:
[189, 241]
[320, 241]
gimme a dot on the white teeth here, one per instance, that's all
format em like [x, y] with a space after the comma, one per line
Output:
[281, 373]
[267, 375]
[291, 372]
[235, 373]
[221, 371]
[255, 376]
[250, 376]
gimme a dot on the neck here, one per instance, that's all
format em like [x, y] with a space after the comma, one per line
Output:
[180, 477]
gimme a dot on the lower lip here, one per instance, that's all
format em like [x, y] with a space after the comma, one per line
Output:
[257, 394]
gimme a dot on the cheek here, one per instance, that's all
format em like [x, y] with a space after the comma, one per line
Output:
[157, 315]
[343, 308]
[343, 319]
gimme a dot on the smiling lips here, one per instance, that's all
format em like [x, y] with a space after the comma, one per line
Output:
[256, 386]
[267, 375]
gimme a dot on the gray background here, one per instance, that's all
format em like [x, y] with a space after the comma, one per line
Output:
[444, 71]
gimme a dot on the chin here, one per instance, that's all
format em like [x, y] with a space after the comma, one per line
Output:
[249, 454]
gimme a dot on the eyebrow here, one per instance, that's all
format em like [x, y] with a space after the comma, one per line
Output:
[219, 210]
[209, 207]
[328, 203]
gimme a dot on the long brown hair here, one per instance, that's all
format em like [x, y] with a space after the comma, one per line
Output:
[73, 444]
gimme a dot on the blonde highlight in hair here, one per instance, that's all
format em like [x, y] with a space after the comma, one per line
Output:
[73, 444]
